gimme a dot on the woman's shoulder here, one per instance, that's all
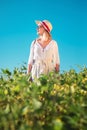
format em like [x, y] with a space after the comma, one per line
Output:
[54, 42]
[36, 40]
[33, 42]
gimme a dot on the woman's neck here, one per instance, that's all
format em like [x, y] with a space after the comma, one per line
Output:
[44, 38]
[43, 43]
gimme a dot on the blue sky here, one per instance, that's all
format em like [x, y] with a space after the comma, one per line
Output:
[18, 29]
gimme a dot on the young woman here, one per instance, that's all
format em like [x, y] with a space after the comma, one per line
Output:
[44, 55]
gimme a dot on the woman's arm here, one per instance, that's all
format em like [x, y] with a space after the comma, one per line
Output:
[56, 57]
[30, 59]
[57, 67]
[29, 68]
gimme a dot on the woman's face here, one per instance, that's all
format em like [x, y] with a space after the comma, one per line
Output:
[40, 30]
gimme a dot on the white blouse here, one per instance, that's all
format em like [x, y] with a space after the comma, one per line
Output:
[43, 60]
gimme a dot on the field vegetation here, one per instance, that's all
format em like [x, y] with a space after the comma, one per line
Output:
[57, 101]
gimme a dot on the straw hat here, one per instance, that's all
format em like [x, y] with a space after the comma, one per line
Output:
[45, 23]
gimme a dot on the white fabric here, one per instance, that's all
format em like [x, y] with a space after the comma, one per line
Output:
[43, 60]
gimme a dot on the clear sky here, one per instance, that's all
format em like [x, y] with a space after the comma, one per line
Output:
[18, 29]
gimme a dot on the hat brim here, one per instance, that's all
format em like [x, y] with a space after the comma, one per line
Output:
[38, 22]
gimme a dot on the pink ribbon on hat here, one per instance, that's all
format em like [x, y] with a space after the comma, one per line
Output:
[46, 26]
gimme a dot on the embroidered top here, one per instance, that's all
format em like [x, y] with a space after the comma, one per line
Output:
[43, 60]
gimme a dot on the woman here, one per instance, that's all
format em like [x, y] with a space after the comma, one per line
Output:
[44, 56]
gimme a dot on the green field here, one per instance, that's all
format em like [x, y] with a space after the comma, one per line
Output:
[57, 101]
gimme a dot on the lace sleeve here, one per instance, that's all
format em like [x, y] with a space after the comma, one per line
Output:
[30, 59]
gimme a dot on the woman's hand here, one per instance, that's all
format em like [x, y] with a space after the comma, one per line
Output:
[57, 68]
[29, 68]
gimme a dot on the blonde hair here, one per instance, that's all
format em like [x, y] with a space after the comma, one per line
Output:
[46, 36]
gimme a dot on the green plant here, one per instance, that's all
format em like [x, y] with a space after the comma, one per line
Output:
[57, 101]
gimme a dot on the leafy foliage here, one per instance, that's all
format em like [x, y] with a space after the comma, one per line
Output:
[57, 101]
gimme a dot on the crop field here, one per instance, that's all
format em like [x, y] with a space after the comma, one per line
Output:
[57, 101]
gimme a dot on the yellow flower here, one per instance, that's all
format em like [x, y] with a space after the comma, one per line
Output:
[84, 80]
[6, 92]
[58, 120]
[56, 87]
[72, 89]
